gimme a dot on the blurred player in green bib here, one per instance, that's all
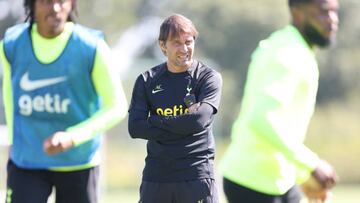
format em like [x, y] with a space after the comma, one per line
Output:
[60, 93]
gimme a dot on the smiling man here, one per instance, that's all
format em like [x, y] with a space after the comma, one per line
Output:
[173, 107]
[60, 93]
[267, 158]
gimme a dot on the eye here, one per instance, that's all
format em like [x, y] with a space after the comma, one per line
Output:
[188, 42]
[177, 43]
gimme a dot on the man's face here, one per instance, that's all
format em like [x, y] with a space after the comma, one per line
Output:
[51, 16]
[179, 51]
[321, 22]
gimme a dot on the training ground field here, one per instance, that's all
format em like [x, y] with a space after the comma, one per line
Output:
[342, 194]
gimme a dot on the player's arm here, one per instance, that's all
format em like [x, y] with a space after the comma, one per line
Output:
[198, 120]
[108, 86]
[273, 115]
[139, 125]
[7, 92]
[190, 123]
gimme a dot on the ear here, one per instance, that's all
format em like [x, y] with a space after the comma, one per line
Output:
[162, 45]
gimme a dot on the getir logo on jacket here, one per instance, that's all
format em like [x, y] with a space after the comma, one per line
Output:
[174, 111]
[41, 103]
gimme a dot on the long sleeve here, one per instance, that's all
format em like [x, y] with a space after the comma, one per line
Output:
[109, 88]
[192, 123]
[282, 109]
[185, 124]
[138, 124]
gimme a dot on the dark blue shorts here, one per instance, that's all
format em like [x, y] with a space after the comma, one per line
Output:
[236, 194]
[30, 186]
[197, 191]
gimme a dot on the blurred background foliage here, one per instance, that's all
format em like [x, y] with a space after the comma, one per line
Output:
[229, 32]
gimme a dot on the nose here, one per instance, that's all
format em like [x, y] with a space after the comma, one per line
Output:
[183, 48]
[333, 19]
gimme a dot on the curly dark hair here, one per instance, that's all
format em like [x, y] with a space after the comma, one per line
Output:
[29, 6]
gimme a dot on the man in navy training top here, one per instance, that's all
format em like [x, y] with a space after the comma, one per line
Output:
[173, 107]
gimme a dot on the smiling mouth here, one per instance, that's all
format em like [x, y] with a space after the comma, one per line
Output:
[184, 57]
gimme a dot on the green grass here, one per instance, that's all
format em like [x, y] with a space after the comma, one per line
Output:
[342, 194]
[118, 196]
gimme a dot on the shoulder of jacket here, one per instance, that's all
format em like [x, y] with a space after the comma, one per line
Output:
[203, 70]
[153, 73]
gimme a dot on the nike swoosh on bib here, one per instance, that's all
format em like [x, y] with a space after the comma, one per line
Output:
[29, 85]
